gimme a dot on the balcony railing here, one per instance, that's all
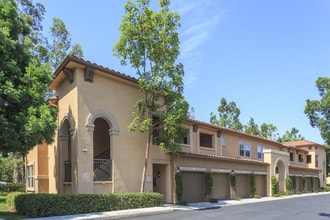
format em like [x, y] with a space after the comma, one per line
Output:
[67, 171]
[102, 170]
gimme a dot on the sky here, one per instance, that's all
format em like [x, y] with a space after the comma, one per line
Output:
[264, 55]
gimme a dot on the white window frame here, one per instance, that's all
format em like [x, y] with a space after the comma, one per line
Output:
[245, 148]
[223, 140]
[260, 154]
[30, 176]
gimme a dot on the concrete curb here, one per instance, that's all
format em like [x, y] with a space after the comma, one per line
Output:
[113, 214]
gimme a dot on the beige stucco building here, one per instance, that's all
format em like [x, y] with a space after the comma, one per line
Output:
[93, 151]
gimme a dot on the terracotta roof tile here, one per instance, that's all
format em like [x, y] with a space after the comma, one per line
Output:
[235, 159]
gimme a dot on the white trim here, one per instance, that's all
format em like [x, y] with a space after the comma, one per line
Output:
[111, 119]
[193, 169]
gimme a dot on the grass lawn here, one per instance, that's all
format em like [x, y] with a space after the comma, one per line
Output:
[5, 212]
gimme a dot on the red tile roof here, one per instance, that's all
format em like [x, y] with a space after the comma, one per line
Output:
[217, 157]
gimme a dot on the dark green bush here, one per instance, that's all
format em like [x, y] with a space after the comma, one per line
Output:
[10, 199]
[43, 205]
[12, 187]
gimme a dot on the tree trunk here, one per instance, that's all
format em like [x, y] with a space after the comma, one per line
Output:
[146, 160]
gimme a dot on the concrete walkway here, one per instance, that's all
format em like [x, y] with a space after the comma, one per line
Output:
[167, 208]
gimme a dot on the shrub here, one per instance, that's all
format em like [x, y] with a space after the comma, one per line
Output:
[179, 186]
[275, 186]
[288, 184]
[253, 187]
[12, 187]
[10, 199]
[208, 183]
[232, 180]
[44, 205]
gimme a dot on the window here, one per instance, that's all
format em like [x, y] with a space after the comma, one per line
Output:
[223, 140]
[300, 158]
[291, 156]
[308, 159]
[244, 149]
[205, 140]
[260, 152]
[185, 137]
[30, 176]
[157, 130]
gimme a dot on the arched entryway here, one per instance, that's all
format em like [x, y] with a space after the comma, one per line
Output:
[65, 154]
[101, 150]
[280, 174]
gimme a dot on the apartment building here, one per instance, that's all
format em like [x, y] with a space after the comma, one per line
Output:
[93, 151]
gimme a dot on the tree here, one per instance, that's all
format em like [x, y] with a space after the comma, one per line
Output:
[61, 43]
[268, 131]
[149, 42]
[228, 115]
[292, 135]
[25, 119]
[252, 128]
[318, 111]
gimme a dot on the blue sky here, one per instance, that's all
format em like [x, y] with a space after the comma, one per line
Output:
[265, 55]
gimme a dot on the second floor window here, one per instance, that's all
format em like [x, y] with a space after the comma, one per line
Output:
[309, 159]
[244, 149]
[260, 152]
[291, 156]
[205, 140]
[300, 158]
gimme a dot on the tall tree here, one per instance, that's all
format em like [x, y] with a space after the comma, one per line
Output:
[61, 43]
[318, 111]
[25, 119]
[252, 128]
[149, 42]
[228, 115]
[292, 135]
[268, 131]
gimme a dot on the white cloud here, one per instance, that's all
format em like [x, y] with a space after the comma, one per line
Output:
[199, 21]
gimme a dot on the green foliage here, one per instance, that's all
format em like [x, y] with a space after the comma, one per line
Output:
[292, 135]
[150, 43]
[12, 187]
[294, 183]
[303, 183]
[25, 119]
[179, 186]
[6, 169]
[288, 184]
[228, 115]
[10, 200]
[252, 128]
[208, 183]
[275, 186]
[317, 111]
[253, 185]
[232, 177]
[43, 205]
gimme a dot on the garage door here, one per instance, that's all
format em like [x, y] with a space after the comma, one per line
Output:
[221, 187]
[242, 185]
[261, 185]
[193, 186]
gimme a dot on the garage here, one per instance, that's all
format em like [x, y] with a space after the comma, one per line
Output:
[243, 185]
[221, 186]
[193, 186]
[261, 185]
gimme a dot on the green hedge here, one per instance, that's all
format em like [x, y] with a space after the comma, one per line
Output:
[12, 187]
[43, 205]
[10, 199]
